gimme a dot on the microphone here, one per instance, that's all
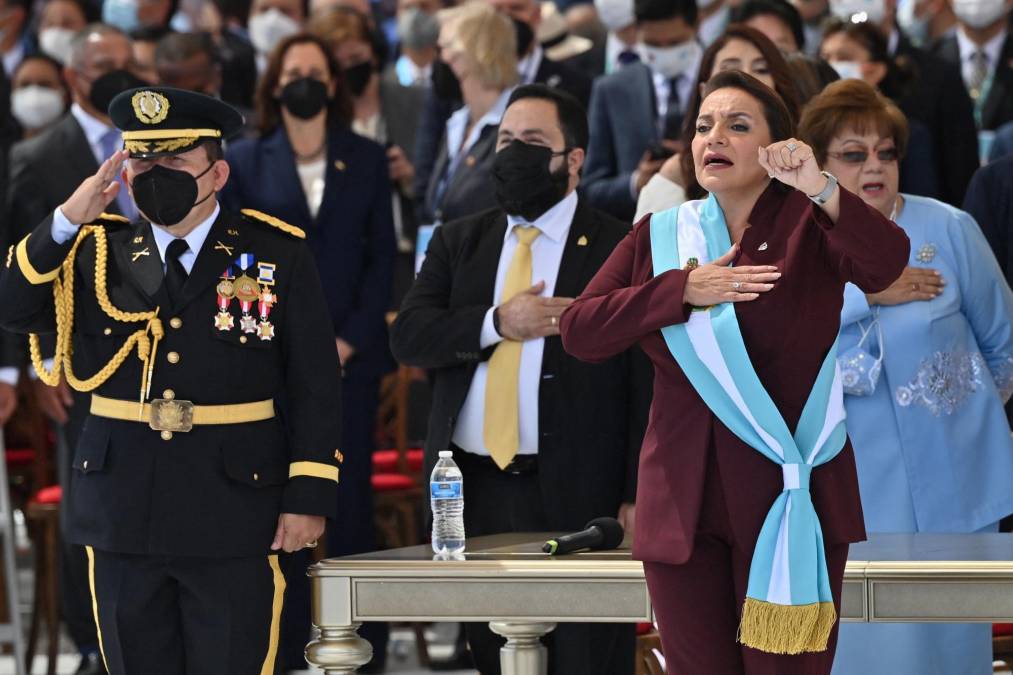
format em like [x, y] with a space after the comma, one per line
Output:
[600, 534]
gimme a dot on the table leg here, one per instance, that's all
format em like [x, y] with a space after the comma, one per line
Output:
[524, 653]
[339, 650]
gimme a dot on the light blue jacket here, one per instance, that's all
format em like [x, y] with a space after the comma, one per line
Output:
[932, 439]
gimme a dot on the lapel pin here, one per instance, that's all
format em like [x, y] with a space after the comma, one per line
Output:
[926, 253]
[219, 246]
[582, 241]
[762, 247]
[469, 161]
[233, 232]
[339, 165]
[138, 240]
[137, 254]
[338, 456]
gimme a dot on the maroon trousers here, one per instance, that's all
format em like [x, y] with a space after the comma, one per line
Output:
[698, 604]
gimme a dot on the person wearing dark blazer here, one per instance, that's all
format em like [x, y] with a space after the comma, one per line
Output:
[639, 107]
[44, 171]
[485, 324]
[990, 85]
[309, 169]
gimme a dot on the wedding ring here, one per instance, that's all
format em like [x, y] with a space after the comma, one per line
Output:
[736, 285]
[310, 544]
[553, 320]
[791, 147]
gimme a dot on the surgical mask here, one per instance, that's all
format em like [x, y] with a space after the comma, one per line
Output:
[165, 196]
[671, 61]
[269, 28]
[357, 77]
[417, 29]
[615, 14]
[305, 97]
[858, 11]
[105, 88]
[56, 43]
[525, 186]
[36, 106]
[122, 14]
[979, 13]
[848, 70]
[914, 26]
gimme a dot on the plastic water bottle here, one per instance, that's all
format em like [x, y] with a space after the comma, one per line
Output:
[446, 493]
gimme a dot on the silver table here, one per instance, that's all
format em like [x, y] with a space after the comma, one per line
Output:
[507, 581]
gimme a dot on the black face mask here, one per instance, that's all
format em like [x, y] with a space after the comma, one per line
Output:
[357, 77]
[305, 97]
[525, 186]
[105, 88]
[166, 195]
[446, 86]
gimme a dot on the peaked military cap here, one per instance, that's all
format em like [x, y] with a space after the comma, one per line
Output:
[159, 121]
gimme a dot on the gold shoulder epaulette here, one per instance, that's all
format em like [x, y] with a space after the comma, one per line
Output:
[110, 219]
[275, 222]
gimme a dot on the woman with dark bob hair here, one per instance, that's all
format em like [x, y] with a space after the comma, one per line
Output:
[739, 48]
[926, 366]
[736, 299]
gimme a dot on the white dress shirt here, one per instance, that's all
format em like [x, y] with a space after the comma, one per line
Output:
[94, 130]
[12, 58]
[663, 87]
[411, 75]
[992, 49]
[528, 67]
[546, 254]
[457, 145]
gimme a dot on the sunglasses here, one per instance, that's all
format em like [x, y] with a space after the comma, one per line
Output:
[860, 156]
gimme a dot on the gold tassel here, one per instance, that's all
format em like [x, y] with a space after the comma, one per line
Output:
[786, 629]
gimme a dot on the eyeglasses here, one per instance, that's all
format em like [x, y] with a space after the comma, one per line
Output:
[860, 156]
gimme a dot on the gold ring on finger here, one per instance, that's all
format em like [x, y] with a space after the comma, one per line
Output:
[553, 320]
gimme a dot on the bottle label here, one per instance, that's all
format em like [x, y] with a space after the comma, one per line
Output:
[450, 489]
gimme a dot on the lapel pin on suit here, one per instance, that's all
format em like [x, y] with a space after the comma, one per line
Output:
[469, 161]
[762, 247]
[582, 241]
[137, 254]
[340, 165]
[233, 232]
[138, 240]
[219, 246]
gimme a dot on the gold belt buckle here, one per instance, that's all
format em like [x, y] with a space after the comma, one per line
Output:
[171, 415]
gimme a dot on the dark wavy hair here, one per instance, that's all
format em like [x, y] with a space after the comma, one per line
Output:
[339, 108]
[784, 90]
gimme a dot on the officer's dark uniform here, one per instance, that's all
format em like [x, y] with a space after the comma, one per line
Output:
[179, 519]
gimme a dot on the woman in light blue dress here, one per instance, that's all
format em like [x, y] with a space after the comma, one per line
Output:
[927, 365]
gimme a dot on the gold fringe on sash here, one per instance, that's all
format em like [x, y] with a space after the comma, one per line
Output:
[786, 629]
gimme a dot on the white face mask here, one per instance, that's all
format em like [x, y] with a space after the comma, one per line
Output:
[36, 106]
[858, 11]
[615, 14]
[979, 13]
[269, 28]
[915, 27]
[56, 43]
[671, 61]
[848, 70]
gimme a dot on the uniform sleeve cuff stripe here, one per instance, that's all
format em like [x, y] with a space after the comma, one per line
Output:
[314, 469]
[30, 273]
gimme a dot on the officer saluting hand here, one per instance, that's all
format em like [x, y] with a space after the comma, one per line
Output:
[212, 440]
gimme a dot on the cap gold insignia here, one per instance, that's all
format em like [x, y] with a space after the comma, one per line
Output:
[10, 254]
[150, 107]
[338, 456]
[582, 241]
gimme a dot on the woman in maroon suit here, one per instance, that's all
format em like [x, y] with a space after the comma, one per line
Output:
[703, 493]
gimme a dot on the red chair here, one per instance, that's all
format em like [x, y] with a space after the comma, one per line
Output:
[1002, 643]
[43, 519]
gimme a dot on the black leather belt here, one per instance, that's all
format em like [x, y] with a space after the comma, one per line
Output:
[521, 465]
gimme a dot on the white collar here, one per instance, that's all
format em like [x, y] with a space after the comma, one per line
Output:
[94, 129]
[528, 67]
[12, 57]
[195, 239]
[458, 122]
[992, 48]
[554, 223]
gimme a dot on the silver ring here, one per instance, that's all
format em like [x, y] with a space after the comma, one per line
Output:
[736, 285]
[310, 544]
[791, 147]
[553, 320]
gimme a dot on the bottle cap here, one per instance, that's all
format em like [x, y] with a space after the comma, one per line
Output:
[446, 454]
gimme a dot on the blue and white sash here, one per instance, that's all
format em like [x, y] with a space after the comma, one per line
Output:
[788, 608]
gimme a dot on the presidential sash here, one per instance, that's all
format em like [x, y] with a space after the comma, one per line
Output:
[788, 608]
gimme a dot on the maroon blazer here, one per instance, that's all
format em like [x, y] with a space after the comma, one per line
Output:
[787, 332]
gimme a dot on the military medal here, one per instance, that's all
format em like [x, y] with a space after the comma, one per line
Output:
[248, 291]
[265, 277]
[226, 290]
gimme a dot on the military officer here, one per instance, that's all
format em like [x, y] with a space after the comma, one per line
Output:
[211, 447]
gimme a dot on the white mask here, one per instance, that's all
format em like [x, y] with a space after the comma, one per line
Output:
[979, 13]
[269, 28]
[615, 14]
[56, 42]
[848, 70]
[36, 106]
[858, 11]
[671, 61]
[914, 26]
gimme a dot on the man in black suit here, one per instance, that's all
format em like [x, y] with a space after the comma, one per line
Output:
[44, 171]
[545, 442]
[983, 50]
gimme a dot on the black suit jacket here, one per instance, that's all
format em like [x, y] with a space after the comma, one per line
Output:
[938, 100]
[216, 490]
[990, 201]
[591, 416]
[998, 106]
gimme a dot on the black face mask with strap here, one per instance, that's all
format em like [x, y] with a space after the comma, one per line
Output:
[165, 196]
[525, 186]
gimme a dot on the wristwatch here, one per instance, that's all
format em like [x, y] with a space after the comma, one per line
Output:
[824, 196]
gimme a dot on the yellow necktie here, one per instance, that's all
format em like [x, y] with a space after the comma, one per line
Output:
[501, 433]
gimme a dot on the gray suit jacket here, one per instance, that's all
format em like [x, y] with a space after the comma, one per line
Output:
[470, 188]
[622, 123]
[400, 106]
